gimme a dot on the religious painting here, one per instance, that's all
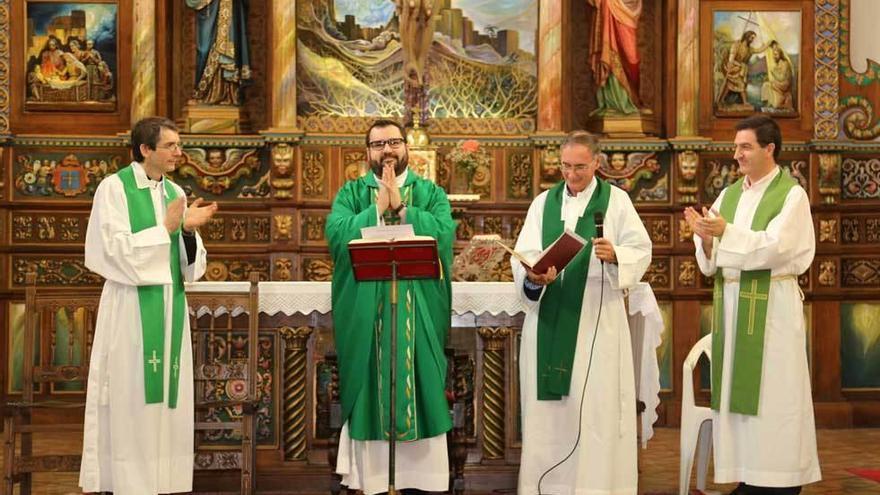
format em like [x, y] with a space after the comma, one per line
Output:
[643, 175]
[756, 65]
[482, 63]
[66, 347]
[664, 351]
[71, 56]
[860, 345]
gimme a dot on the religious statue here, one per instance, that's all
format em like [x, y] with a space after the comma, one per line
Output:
[222, 61]
[416, 34]
[614, 57]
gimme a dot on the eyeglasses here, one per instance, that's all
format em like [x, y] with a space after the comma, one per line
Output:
[393, 142]
[171, 147]
[567, 167]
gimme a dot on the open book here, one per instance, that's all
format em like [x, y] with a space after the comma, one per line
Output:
[413, 257]
[558, 254]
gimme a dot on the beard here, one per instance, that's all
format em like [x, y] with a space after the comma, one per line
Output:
[400, 165]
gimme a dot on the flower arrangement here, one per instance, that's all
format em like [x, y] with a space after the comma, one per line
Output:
[468, 157]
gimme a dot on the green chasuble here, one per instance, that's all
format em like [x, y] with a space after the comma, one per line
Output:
[362, 314]
[560, 312]
[151, 298]
[751, 314]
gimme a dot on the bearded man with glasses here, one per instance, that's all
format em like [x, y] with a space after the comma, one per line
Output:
[388, 194]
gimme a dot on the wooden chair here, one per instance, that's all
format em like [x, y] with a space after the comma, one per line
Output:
[225, 380]
[62, 360]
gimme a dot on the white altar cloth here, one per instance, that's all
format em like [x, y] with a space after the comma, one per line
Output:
[480, 298]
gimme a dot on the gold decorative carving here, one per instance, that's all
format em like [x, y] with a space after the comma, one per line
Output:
[294, 413]
[50, 271]
[282, 171]
[826, 66]
[519, 183]
[217, 170]
[551, 172]
[829, 177]
[659, 230]
[828, 230]
[861, 272]
[688, 162]
[283, 227]
[313, 226]
[354, 164]
[465, 229]
[239, 229]
[4, 78]
[850, 230]
[872, 230]
[283, 269]
[494, 339]
[658, 273]
[260, 229]
[319, 270]
[684, 231]
[216, 229]
[493, 225]
[314, 172]
[687, 273]
[235, 270]
[827, 273]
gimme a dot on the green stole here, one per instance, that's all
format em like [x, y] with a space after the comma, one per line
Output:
[560, 311]
[151, 298]
[751, 314]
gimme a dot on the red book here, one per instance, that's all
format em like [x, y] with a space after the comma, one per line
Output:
[558, 254]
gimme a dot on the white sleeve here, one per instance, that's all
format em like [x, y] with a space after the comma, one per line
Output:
[117, 254]
[632, 244]
[708, 264]
[529, 245]
[787, 245]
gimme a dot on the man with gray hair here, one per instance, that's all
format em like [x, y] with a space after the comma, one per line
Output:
[576, 369]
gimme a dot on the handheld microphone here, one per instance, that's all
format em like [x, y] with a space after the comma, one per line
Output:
[599, 219]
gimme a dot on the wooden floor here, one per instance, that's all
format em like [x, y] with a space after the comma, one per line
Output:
[839, 450]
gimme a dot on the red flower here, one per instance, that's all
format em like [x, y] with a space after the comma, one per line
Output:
[470, 145]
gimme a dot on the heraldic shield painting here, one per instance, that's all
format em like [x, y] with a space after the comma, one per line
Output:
[70, 56]
[756, 60]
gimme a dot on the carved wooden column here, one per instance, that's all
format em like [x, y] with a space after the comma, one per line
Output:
[5, 80]
[294, 396]
[494, 339]
[687, 76]
[550, 55]
[143, 60]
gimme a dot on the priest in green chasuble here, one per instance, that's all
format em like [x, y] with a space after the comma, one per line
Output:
[755, 240]
[576, 321]
[142, 238]
[390, 193]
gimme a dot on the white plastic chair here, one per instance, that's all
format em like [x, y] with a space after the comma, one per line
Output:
[696, 423]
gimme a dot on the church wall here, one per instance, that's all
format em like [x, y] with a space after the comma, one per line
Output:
[275, 181]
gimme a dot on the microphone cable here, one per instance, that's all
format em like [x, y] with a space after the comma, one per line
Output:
[584, 389]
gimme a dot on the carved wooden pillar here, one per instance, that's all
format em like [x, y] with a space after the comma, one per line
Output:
[550, 55]
[494, 339]
[4, 75]
[687, 75]
[282, 77]
[143, 60]
[294, 396]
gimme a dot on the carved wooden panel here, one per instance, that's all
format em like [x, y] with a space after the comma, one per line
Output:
[42, 227]
[860, 178]
[251, 228]
[235, 269]
[519, 172]
[59, 174]
[659, 274]
[314, 183]
[860, 229]
[659, 228]
[53, 270]
[862, 272]
[317, 268]
[311, 224]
